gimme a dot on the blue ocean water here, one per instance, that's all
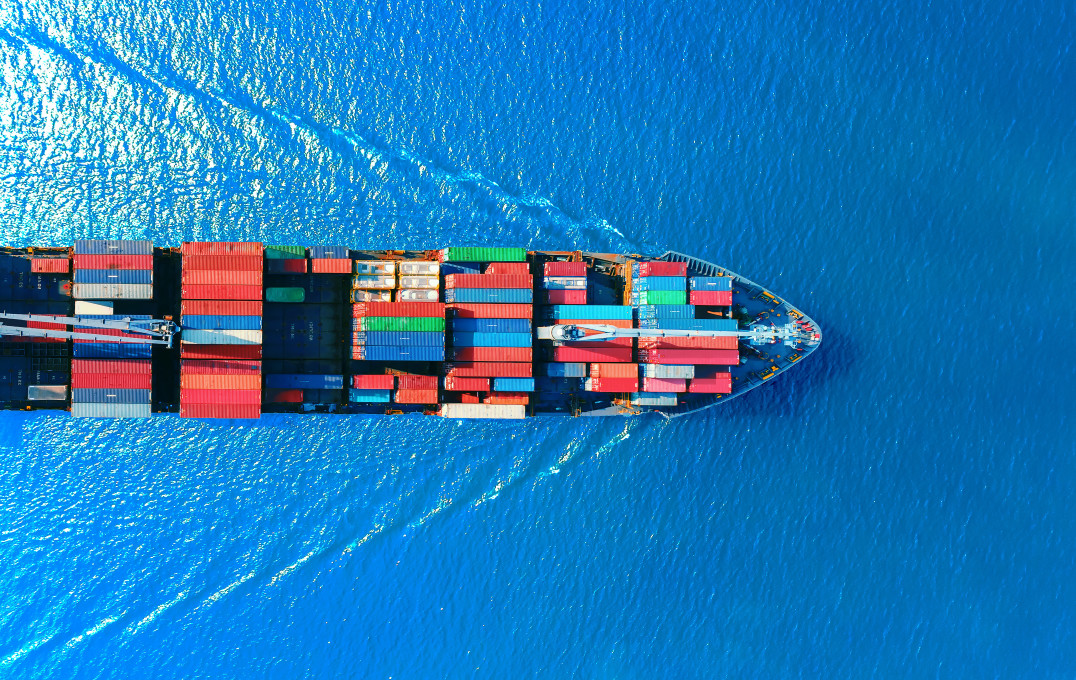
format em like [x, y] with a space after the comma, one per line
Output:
[899, 506]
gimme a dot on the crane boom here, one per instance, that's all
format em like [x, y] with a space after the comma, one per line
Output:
[158, 331]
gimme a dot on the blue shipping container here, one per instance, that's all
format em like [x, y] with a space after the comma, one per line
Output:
[495, 295]
[423, 338]
[513, 384]
[491, 339]
[591, 311]
[111, 350]
[370, 396]
[304, 381]
[399, 353]
[564, 283]
[328, 252]
[109, 396]
[99, 247]
[113, 276]
[491, 325]
[659, 283]
[565, 370]
[711, 283]
[220, 322]
[667, 311]
[653, 398]
[691, 324]
[459, 268]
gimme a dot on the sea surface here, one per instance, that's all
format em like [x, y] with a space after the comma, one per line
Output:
[901, 505]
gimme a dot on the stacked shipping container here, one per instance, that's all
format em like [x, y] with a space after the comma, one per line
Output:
[564, 283]
[106, 270]
[402, 331]
[221, 315]
[117, 387]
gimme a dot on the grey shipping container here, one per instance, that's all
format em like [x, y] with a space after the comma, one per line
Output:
[668, 371]
[113, 247]
[84, 410]
[109, 396]
[113, 291]
[46, 392]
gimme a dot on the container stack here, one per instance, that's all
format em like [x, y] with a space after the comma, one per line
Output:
[113, 270]
[372, 389]
[710, 290]
[613, 378]
[564, 283]
[398, 331]
[491, 333]
[221, 341]
[374, 281]
[419, 281]
[659, 283]
[285, 259]
[111, 379]
[330, 260]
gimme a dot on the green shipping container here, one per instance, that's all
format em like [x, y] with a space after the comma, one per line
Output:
[285, 252]
[284, 295]
[663, 297]
[402, 323]
[472, 254]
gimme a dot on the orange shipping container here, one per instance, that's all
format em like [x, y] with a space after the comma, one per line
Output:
[221, 277]
[614, 370]
[235, 263]
[208, 381]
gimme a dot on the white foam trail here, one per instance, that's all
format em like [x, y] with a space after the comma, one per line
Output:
[135, 627]
[24, 650]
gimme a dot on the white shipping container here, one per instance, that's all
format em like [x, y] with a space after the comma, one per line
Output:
[668, 371]
[46, 392]
[373, 281]
[378, 267]
[84, 307]
[113, 291]
[371, 296]
[426, 282]
[499, 411]
[83, 410]
[220, 337]
[420, 268]
[413, 295]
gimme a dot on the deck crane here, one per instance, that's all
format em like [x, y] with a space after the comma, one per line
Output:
[157, 331]
[792, 334]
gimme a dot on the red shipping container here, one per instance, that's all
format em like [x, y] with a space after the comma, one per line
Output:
[415, 397]
[435, 309]
[613, 385]
[487, 310]
[210, 367]
[289, 266]
[611, 342]
[662, 269]
[592, 354]
[468, 398]
[222, 307]
[512, 268]
[212, 381]
[710, 297]
[517, 398]
[46, 326]
[565, 269]
[730, 342]
[124, 366]
[284, 396]
[51, 265]
[125, 262]
[489, 281]
[616, 323]
[664, 385]
[110, 332]
[221, 277]
[112, 381]
[409, 383]
[566, 297]
[720, 384]
[614, 370]
[384, 381]
[220, 351]
[491, 369]
[220, 410]
[221, 292]
[221, 248]
[720, 357]
[492, 353]
[223, 396]
[470, 384]
[234, 263]
[333, 266]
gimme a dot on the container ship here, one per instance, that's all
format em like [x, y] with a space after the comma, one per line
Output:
[123, 329]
